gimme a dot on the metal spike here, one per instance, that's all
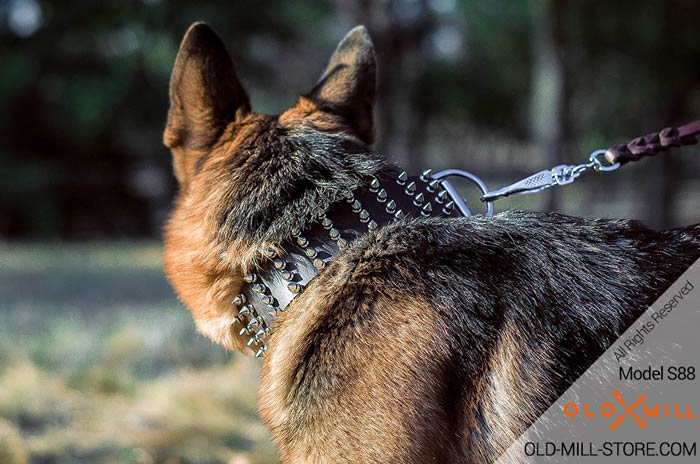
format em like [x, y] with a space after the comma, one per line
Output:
[243, 331]
[261, 351]
[262, 333]
[270, 253]
[294, 287]
[441, 196]
[374, 185]
[364, 216]
[254, 323]
[258, 288]
[447, 209]
[381, 196]
[245, 310]
[279, 263]
[433, 185]
[411, 188]
[349, 197]
[250, 278]
[274, 310]
[239, 300]
[372, 226]
[391, 207]
[303, 242]
[356, 206]
[420, 198]
[252, 340]
[425, 175]
[342, 244]
[399, 215]
[326, 223]
[334, 234]
[401, 180]
[311, 253]
[427, 209]
[267, 299]
[319, 263]
[288, 276]
[296, 232]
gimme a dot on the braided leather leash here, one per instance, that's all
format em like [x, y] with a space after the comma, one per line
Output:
[615, 156]
[651, 144]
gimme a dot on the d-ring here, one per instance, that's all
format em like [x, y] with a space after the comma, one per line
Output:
[454, 194]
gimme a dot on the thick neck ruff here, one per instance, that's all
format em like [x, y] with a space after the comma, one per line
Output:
[285, 274]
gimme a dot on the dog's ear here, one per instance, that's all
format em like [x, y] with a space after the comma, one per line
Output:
[205, 96]
[347, 86]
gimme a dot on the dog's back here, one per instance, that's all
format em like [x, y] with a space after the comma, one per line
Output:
[442, 340]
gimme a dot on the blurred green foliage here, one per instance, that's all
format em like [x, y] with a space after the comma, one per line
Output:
[83, 89]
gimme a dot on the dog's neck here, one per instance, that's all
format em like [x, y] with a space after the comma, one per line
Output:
[286, 271]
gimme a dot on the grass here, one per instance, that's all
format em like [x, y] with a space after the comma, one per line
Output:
[100, 364]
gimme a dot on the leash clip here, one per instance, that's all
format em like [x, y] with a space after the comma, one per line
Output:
[562, 174]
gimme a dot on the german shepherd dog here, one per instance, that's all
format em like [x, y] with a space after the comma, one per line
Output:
[429, 340]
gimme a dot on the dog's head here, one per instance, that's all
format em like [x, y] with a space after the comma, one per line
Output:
[246, 179]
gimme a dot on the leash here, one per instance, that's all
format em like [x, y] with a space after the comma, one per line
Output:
[602, 161]
[282, 273]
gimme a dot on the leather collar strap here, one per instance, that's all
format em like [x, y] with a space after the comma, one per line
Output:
[283, 275]
[654, 143]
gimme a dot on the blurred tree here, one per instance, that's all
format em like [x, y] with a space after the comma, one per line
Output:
[83, 94]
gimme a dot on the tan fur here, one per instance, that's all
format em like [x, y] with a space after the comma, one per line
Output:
[381, 365]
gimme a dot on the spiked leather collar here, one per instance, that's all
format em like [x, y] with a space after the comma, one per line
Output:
[285, 274]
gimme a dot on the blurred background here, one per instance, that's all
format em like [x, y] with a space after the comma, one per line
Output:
[98, 361]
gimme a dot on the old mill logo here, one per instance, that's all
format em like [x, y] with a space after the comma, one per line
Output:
[639, 411]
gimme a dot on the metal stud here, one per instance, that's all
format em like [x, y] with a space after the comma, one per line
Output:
[334, 234]
[303, 242]
[420, 198]
[364, 216]
[433, 185]
[349, 197]
[319, 263]
[447, 209]
[425, 175]
[374, 185]
[342, 244]
[399, 215]
[279, 263]
[391, 207]
[288, 276]
[401, 180]
[268, 299]
[296, 232]
[243, 331]
[261, 351]
[441, 196]
[372, 226]
[356, 206]
[411, 188]
[250, 278]
[258, 288]
[381, 196]
[252, 340]
[427, 210]
[326, 223]
[294, 287]
[311, 253]
[239, 300]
